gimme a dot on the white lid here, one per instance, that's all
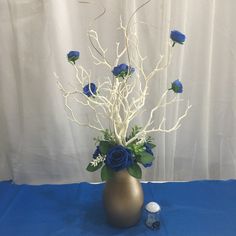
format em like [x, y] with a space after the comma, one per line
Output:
[153, 207]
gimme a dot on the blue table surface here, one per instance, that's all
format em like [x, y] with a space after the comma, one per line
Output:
[197, 208]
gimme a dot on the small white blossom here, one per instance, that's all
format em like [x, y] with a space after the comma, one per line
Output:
[96, 161]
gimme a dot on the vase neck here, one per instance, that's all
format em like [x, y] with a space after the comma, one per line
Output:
[123, 175]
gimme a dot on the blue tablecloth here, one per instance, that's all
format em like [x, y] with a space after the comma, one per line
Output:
[198, 208]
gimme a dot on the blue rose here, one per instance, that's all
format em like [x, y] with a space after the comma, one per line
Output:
[177, 86]
[96, 153]
[177, 37]
[119, 158]
[90, 89]
[148, 149]
[122, 70]
[73, 56]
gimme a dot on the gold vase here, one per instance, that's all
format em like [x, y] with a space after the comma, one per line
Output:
[123, 199]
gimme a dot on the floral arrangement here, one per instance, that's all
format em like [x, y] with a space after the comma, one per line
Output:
[118, 99]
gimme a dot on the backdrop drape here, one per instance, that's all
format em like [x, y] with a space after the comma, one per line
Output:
[38, 144]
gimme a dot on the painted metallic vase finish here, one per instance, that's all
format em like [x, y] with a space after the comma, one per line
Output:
[123, 199]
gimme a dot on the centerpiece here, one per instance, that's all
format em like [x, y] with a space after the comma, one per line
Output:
[116, 101]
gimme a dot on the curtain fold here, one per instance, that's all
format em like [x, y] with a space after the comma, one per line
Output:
[38, 144]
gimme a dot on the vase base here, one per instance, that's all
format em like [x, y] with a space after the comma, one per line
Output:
[121, 222]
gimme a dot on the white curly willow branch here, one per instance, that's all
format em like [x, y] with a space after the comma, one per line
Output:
[119, 100]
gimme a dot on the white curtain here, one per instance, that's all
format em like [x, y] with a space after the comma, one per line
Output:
[38, 144]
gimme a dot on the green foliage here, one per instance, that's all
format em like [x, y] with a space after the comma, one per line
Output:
[149, 140]
[151, 145]
[136, 149]
[92, 168]
[106, 173]
[145, 158]
[135, 171]
[134, 131]
[141, 156]
[108, 136]
[104, 146]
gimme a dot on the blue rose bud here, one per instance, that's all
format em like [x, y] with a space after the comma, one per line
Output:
[177, 37]
[96, 153]
[119, 158]
[147, 165]
[177, 86]
[122, 70]
[73, 56]
[90, 89]
[148, 149]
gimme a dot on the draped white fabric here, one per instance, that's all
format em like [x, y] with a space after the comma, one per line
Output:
[38, 144]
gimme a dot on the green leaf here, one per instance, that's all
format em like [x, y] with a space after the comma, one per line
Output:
[134, 131]
[136, 148]
[149, 139]
[104, 146]
[151, 145]
[92, 168]
[135, 171]
[106, 173]
[145, 158]
[137, 158]
[108, 136]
